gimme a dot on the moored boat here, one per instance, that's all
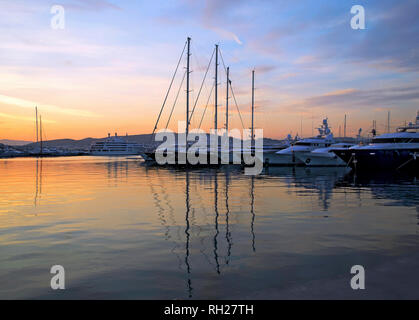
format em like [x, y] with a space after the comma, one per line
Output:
[325, 157]
[114, 146]
[389, 151]
[289, 156]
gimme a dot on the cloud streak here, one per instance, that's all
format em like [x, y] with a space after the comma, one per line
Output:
[21, 118]
[47, 107]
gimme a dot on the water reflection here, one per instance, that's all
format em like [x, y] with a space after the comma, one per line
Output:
[322, 180]
[228, 233]
[252, 211]
[191, 233]
[188, 267]
[38, 180]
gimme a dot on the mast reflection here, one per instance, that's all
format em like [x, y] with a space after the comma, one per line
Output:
[187, 204]
[38, 181]
[252, 211]
[216, 222]
[219, 252]
[228, 233]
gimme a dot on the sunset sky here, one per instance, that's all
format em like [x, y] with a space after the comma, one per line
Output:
[109, 68]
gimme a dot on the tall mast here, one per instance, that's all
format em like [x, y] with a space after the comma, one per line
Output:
[187, 85]
[253, 105]
[216, 89]
[228, 82]
[344, 128]
[36, 115]
[40, 130]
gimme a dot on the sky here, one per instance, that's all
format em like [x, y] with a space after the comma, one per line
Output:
[109, 69]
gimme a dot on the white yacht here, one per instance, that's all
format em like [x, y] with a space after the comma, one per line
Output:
[114, 146]
[325, 157]
[398, 150]
[288, 156]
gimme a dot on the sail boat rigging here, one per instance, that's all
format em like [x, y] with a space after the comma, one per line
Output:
[180, 150]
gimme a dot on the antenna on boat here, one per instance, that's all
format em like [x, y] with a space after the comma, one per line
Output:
[301, 125]
[374, 128]
[344, 128]
[216, 88]
[388, 122]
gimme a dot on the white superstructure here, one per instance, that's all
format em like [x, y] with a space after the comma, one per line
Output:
[114, 146]
[288, 156]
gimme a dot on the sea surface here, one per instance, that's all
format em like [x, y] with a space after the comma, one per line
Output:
[125, 230]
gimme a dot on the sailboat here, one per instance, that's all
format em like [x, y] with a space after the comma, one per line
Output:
[218, 154]
[178, 152]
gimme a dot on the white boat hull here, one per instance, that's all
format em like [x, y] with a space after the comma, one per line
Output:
[281, 159]
[326, 159]
[113, 153]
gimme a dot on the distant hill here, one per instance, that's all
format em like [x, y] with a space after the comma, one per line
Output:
[84, 144]
[14, 142]
[87, 142]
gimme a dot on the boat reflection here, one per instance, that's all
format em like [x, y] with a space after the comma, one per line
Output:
[399, 188]
[322, 180]
[38, 181]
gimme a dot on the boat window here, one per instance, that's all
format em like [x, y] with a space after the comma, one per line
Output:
[395, 140]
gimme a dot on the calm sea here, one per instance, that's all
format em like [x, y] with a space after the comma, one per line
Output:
[124, 230]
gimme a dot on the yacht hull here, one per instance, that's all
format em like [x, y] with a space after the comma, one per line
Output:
[326, 159]
[113, 153]
[180, 160]
[376, 159]
[282, 159]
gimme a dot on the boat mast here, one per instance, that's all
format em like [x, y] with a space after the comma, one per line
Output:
[253, 106]
[216, 89]
[187, 86]
[228, 82]
[40, 131]
[301, 125]
[36, 116]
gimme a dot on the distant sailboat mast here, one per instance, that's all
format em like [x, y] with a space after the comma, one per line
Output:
[36, 116]
[40, 131]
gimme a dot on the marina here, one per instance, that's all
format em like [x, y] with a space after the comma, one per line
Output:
[390, 151]
[209, 154]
